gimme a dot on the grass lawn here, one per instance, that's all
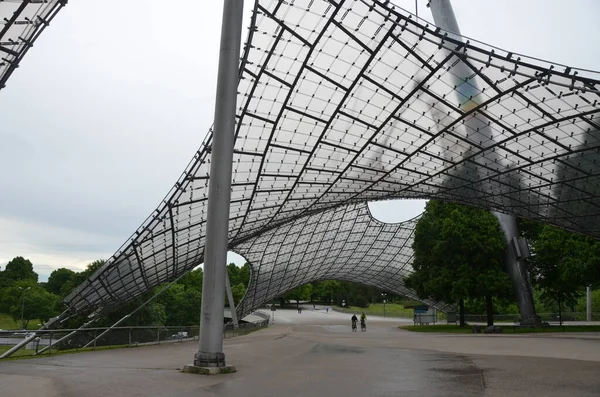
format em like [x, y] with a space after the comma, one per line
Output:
[19, 353]
[7, 323]
[376, 309]
[508, 329]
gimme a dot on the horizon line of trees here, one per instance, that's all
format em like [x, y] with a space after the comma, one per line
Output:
[336, 292]
[21, 295]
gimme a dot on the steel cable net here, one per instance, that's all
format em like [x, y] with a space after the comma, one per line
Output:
[342, 243]
[21, 23]
[340, 103]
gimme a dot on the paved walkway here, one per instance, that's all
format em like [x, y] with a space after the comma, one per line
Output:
[315, 354]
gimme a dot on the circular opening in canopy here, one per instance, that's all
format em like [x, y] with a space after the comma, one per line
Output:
[395, 211]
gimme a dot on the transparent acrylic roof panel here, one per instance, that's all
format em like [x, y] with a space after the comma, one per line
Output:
[345, 102]
[21, 23]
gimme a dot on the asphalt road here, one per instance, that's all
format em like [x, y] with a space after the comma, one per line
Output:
[316, 354]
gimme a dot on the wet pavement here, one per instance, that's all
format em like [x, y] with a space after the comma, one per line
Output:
[315, 354]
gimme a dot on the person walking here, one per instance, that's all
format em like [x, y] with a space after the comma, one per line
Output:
[363, 322]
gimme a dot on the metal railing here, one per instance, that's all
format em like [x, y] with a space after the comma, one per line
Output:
[482, 318]
[48, 341]
[546, 317]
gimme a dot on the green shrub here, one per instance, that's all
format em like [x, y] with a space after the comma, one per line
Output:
[361, 301]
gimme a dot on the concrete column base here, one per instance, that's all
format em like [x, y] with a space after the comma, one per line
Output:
[194, 369]
[202, 359]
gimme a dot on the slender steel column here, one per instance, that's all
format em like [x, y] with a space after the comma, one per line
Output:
[231, 302]
[84, 326]
[210, 352]
[443, 16]
[31, 337]
[588, 306]
[517, 270]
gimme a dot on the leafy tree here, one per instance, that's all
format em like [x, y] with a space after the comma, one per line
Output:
[153, 314]
[233, 272]
[57, 280]
[30, 300]
[244, 275]
[17, 269]
[193, 279]
[562, 264]
[529, 229]
[78, 278]
[179, 305]
[182, 305]
[11, 296]
[353, 294]
[301, 293]
[479, 306]
[238, 275]
[239, 278]
[326, 290]
[3, 281]
[92, 267]
[39, 304]
[361, 301]
[459, 254]
[238, 291]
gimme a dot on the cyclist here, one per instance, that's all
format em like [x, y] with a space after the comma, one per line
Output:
[354, 321]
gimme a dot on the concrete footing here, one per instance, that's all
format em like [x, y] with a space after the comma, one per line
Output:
[194, 369]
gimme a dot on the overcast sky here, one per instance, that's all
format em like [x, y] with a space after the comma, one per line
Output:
[109, 106]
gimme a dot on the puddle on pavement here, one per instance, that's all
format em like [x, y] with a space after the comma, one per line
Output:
[328, 349]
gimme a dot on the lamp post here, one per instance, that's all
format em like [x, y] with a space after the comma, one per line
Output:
[383, 294]
[23, 306]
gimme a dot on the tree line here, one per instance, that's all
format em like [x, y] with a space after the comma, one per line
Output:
[21, 295]
[340, 293]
